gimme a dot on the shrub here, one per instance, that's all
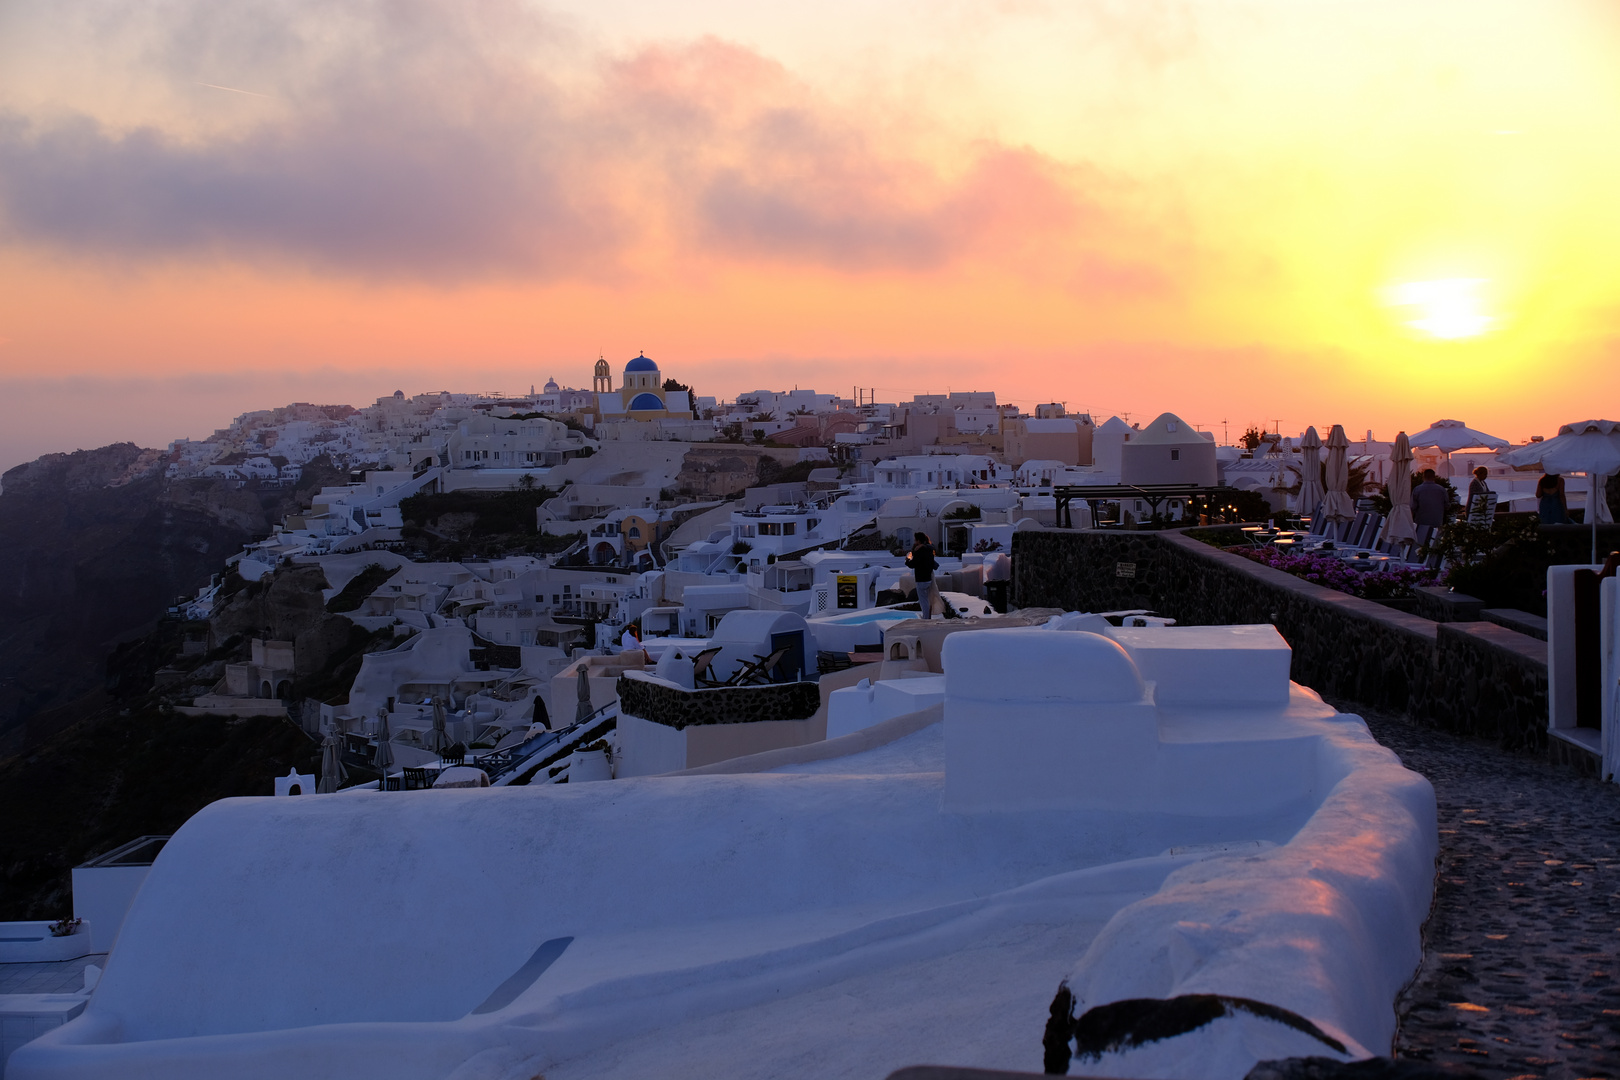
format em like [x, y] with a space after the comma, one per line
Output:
[1338, 574]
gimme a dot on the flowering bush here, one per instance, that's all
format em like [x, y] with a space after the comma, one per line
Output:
[66, 927]
[1335, 573]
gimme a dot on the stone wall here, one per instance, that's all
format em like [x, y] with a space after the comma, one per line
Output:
[680, 709]
[1477, 678]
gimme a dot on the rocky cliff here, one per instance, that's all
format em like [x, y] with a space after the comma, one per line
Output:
[95, 546]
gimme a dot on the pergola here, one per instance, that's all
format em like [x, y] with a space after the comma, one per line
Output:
[1152, 494]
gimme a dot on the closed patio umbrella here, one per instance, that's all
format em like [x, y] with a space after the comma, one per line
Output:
[437, 739]
[1589, 446]
[584, 710]
[384, 755]
[1337, 506]
[332, 771]
[1310, 472]
[1398, 526]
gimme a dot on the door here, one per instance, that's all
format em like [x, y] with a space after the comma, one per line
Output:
[792, 662]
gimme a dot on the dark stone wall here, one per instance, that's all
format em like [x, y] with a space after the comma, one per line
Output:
[680, 709]
[1475, 678]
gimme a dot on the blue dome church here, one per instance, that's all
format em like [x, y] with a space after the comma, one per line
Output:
[642, 395]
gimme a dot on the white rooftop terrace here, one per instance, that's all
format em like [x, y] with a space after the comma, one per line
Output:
[1144, 813]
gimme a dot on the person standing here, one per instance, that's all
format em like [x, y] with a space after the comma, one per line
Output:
[1478, 489]
[1429, 502]
[1550, 504]
[923, 564]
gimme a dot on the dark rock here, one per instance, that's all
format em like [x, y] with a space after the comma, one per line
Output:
[680, 709]
[1124, 1025]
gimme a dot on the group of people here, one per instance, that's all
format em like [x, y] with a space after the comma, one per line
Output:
[1430, 499]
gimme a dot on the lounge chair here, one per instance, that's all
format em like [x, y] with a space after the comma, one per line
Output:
[758, 671]
[1482, 509]
[702, 665]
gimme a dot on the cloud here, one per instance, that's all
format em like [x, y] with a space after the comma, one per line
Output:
[443, 143]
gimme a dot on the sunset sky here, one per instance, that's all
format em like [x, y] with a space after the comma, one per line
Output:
[1367, 212]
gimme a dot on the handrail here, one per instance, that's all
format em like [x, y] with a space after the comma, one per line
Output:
[534, 746]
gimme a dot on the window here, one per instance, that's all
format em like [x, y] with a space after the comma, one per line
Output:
[635, 533]
[788, 527]
[1175, 455]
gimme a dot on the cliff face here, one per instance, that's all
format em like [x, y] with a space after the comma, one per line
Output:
[94, 546]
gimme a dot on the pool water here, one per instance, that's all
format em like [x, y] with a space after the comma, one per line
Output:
[872, 615]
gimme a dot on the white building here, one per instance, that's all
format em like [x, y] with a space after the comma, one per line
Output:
[489, 442]
[1169, 451]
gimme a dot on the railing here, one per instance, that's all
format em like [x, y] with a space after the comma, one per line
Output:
[504, 766]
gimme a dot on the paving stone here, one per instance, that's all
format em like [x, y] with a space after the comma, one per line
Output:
[1519, 961]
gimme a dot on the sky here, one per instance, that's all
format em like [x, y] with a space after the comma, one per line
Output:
[1268, 212]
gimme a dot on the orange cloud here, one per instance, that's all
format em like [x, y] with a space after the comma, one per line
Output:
[420, 159]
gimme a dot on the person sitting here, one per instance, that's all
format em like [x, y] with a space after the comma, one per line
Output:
[1429, 502]
[1550, 501]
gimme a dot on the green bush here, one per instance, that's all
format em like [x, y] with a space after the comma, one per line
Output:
[1504, 563]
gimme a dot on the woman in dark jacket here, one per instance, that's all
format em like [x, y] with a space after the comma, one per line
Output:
[923, 564]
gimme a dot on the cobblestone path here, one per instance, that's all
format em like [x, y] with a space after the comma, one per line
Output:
[1521, 958]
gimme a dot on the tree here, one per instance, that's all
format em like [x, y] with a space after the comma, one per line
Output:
[1252, 438]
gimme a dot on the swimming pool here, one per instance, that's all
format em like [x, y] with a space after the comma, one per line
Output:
[870, 615]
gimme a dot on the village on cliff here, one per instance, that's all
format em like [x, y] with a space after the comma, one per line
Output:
[789, 742]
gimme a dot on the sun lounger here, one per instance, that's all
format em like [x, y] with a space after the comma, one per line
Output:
[1482, 509]
[758, 671]
[702, 664]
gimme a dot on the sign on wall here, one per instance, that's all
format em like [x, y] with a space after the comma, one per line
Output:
[848, 591]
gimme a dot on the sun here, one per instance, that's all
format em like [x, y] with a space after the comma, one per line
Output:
[1446, 308]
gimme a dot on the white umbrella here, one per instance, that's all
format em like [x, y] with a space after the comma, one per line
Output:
[332, 771]
[1310, 472]
[1449, 436]
[1338, 506]
[583, 711]
[1591, 447]
[1398, 526]
[1453, 435]
[437, 739]
[384, 756]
